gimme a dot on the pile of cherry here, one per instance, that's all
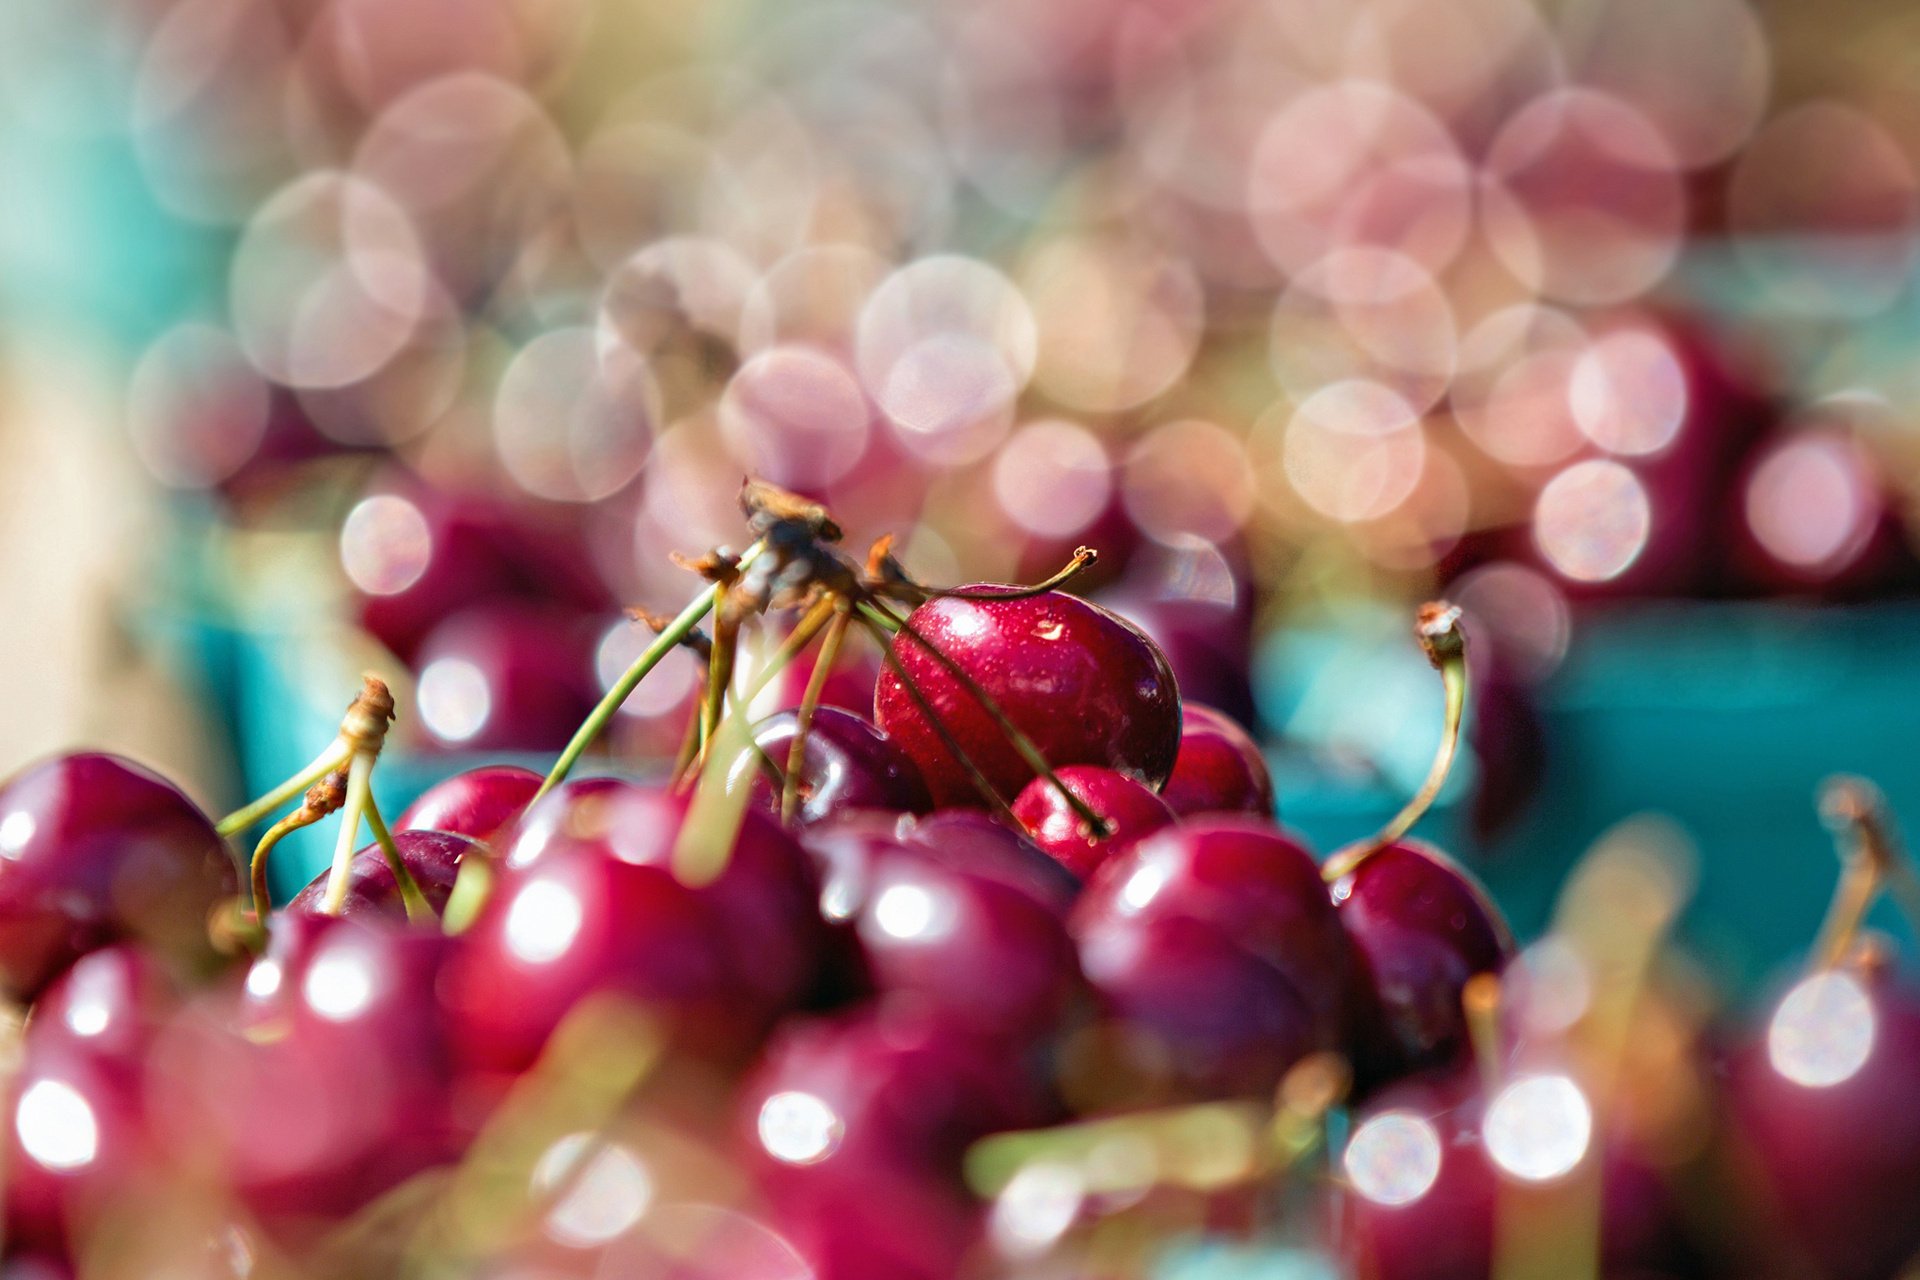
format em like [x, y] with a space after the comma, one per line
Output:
[1034, 893]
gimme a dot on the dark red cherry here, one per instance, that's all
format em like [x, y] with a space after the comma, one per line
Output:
[1433, 1160]
[1128, 809]
[1821, 1107]
[507, 675]
[477, 803]
[1207, 638]
[1255, 884]
[320, 1084]
[591, 900]
[975, 945]
[861, 1121]
[1420, 925]
[1085, 685]
[987, 846]
[432, 856]
[1219, 768]
[94, 848]
[109, 1007]
[848, 765]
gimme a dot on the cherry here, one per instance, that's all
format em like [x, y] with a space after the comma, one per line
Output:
[849, 765]
[1219, 768]
[855, 1126]
[322, 1082]
[77, 1131]
[1216, 949]
[507, 675]
[986, 846]
[432, 856]
[590, 901]
[849, 686]
[1433, 1159]
[1127, 810]
[1420, 925]
[1820, 1104]
[1208, 641]
[478, 803]
[94, 848]
[1085, 685]
[978, 944]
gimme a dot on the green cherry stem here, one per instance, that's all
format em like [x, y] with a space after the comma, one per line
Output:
[419, 910]
[359, 787]
[1438, 629]
[597, 719]
[334, 757]
[323, 797]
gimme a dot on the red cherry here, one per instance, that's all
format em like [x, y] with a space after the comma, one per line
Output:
[855, 1127]
[433, 857]
[590, 901]
[1219, 768]
[1821, 1101]
[986, 846]
[1085, 685]
[1421, 925]
[1128, 809]
[849, 765]
[507, 675]
[320, 1084]
[477, 803]
[979, 948]
[94, 848]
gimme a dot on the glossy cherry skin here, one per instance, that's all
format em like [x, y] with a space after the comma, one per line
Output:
[477, 803]
[1129, 810]
[1217, 957]
[507, 675]
[1085, 685]
[854, 1128]
[1208, 643]
[433, 857]
[1820, 1102]
[1420, 925]
[849, 765]
[977, 947]
[85, 1048]
[321, 1082]
[95, 848]
[988, 846]
[1219, 768]
[589, 902]
[1396, 1229]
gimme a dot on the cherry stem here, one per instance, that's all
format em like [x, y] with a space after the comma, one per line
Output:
[1083, 559]
[339, 875]
[1097, 826]
[334, 757]
[598, 719]
[809, 702]
[952, 744]
[1871, 862]
[1438, 629]
[419, 910]
[322, 798]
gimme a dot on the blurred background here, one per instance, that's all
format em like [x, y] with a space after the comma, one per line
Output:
[418, 334]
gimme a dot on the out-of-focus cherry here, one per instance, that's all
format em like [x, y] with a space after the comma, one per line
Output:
[1219, 768]
[433, 857]
[477, 803]
[1086, 686]
[507, 675]
[1126, 809]
[95, 848]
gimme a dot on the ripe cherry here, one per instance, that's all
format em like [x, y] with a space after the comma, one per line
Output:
[433, 857]
[1219, 768]
[1085, 685]
[848, 765]
[507, 675]
[855, 1126]
[591, 899]
[1213, 948]
[477, 803]
[988, 846]
[94, 848]
[1126, 810]
[1420, 925]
